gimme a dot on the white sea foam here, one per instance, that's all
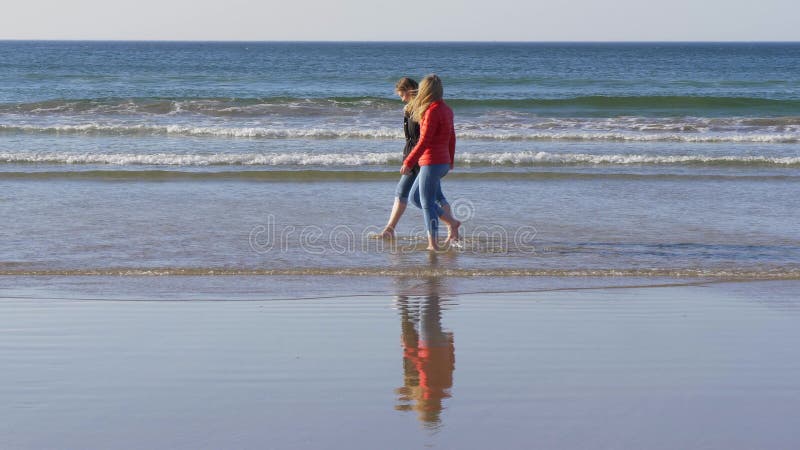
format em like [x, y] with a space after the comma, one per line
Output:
[534, 158]
[262, 132]
[177, 159]
[596, 131]
[378, 158]
[633, 137]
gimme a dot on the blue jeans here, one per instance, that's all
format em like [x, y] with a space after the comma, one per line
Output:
[427, 188]
[404, 189]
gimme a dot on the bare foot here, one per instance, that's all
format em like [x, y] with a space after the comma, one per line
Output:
[387, 233]
[452, 232]
[432, 249]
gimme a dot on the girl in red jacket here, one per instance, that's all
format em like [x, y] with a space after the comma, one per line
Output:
[434, 154]
[406, 89]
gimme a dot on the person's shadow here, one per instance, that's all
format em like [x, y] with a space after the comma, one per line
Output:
[428, 350]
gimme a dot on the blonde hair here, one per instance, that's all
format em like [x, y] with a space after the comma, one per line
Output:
[430, 90]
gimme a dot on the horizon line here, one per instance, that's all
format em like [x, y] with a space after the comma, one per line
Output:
[354, 41]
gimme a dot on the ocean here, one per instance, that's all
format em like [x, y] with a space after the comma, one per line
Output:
[280, 160]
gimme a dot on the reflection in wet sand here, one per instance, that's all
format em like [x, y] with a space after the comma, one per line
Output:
[428, 353]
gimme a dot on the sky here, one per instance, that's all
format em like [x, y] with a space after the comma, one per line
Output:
[379, 20]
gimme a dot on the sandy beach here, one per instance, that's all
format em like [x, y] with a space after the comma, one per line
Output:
[705, 365]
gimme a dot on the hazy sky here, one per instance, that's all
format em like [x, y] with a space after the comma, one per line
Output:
[370, 20]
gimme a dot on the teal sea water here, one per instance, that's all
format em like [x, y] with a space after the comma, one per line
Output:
[280, 159]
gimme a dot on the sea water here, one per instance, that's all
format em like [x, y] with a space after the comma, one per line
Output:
[281, 159]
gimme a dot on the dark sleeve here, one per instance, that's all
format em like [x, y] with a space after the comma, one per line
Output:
[413, 131]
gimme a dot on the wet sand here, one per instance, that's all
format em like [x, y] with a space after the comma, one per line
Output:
[711, 366]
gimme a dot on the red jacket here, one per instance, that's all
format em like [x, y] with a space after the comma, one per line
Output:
[437, 137]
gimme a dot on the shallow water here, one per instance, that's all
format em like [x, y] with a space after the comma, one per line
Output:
[709, 226]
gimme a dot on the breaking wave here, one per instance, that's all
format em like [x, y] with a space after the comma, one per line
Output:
[510, 159]
[491, 133]
[249, 107]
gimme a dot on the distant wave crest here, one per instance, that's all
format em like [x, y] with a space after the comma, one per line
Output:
[244, 132]
[557, 132]
[382, 159]
[215, 107]
[249, 107]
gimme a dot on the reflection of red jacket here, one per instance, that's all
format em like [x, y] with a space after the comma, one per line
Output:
[435, 366]
[437, 137]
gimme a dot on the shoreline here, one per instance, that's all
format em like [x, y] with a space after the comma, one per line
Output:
[238, 288]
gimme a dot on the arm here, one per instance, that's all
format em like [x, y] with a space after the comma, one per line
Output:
[427, 130]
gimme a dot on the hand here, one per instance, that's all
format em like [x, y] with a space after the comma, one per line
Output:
[405, 170]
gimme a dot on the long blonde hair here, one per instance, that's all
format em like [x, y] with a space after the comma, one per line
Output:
[430, 90]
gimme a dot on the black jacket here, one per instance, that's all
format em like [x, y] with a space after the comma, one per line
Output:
[411, 130]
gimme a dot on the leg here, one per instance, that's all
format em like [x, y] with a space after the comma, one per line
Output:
[414, 196]
[398, 209]
[400, 202]
[429, 188]
[448, 218]
[453, 225]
